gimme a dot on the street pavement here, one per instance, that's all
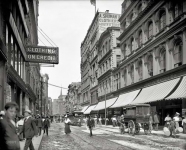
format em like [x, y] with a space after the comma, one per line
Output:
[36, 142]
[103, 139]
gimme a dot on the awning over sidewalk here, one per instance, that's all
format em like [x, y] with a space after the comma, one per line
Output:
[89, 109]
[156, 92]
[84, 108]
[101, 105]
[180, 92]
[125, 99]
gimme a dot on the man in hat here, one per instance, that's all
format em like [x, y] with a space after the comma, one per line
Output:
[8, 136]
[40, 124]
[29, 130]
[46, 125]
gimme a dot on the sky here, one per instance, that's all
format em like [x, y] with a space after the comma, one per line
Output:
[66, 23]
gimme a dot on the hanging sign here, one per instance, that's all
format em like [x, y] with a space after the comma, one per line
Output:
[42, 54]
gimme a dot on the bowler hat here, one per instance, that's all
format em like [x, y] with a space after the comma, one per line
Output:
[28, 111]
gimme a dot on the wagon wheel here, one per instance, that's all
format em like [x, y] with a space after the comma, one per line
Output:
[137, 128]
[131, 127]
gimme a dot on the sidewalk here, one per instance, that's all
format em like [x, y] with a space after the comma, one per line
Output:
[36, 142]
[116, 130]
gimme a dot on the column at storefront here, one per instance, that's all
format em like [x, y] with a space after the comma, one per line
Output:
[26, 99]
[20, 101]
[2, 83]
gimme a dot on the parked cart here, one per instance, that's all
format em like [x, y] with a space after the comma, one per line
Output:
[136, 117]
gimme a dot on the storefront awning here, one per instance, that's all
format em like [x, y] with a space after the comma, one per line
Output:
[156, 92]
[84, 108]
[180, 92]
[89, 109]
[101, 105]
[125, 99]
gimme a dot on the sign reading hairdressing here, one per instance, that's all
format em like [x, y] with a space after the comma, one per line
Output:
[42, 54]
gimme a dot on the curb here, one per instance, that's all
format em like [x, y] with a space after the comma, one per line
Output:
[177, 136]
[39, 147]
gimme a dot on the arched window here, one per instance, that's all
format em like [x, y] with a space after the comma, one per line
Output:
[139, 8]
[106, 46]
[132, 17]
[140, 39]
[109, 45]
[132, 74]
[162, 19]
[150, 30]
[176, 11]
[178, 53]
[140, 71]
[150, 65]
[162, 60]
[132, 44]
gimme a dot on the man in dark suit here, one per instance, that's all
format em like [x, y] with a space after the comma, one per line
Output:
[9, 139]
[90, 124]
[39, 124]
[46, 125]
[29, 130]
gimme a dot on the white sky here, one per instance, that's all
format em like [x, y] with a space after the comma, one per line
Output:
[66, 22]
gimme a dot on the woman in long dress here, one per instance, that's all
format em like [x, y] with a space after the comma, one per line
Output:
[67, 125]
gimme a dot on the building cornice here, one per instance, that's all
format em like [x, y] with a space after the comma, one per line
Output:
[105, 56]
[106, 74]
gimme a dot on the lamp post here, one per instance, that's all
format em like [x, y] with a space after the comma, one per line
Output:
[105, 108]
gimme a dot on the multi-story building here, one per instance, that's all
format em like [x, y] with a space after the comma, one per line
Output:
[44, 103]
[89, 56]
[19, 80]
[58, 106]
[153, 46]
[49, 106]
[72, 97]
[109, 55]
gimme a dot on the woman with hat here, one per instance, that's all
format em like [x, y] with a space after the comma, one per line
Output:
[67, 125]
[177, 119]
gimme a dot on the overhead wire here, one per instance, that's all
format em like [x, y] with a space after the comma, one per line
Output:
[47, 36]
[41, 41]
[55, 85]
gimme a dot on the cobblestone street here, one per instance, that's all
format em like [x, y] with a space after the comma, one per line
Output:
[105, 140]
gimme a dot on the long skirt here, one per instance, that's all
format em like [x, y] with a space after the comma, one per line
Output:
[67, 128]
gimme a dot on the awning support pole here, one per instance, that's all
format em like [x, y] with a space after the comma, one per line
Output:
[105, 109]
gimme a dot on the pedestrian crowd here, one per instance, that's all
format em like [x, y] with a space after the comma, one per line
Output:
[15, 128]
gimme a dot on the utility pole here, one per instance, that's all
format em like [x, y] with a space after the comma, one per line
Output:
[41, 95]
[105, 108]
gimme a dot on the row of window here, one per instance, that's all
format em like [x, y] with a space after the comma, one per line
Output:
[19, 23]
[105, 87]
[177, 56]
[105, 66]
[104, 49]
[142, 37]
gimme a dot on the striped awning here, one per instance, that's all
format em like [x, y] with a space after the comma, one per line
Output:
[84, 108]
[156, 92]
[180, 92]
[101, 105]
[125, 99]
[89, 109]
